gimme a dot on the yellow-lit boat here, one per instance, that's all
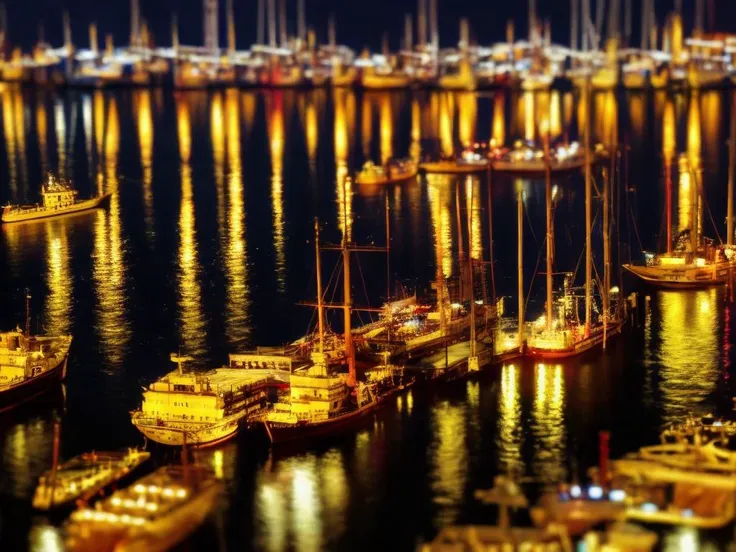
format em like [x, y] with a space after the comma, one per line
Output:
[58, 198]
[394, 172]
[156, 513]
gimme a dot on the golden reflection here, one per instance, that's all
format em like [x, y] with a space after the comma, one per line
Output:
[548, 423]
[10, 138]
[46, 538]
[509, 438]
[145, 141]
[20, 136]
[473, 190]
[499, 120]
[217, 133]
[237, 323]
[249, 109]
[467, 114]
[59, 280]
[87, 128]
[606, 122]
[192, 325]
[637, 113]
[42, 128]
[688, 357]
[343, 184]
[669, 132]
[439, 206]
[276, 142]
[27, 451]
[109, 268]
[415, 149]
[305, 507]
[529, 116]
[449, 459]
[366, 124]
[387, 128]
[60, 125]
[272, 505]
[447, 110]
[711, 120]
[98, 102]
[693, 133]
[555, 123]
[312, 131]
[568, 102]
[334, 490]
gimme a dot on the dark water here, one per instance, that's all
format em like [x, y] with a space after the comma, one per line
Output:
[206, 248]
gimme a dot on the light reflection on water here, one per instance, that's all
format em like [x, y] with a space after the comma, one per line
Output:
[520, 413]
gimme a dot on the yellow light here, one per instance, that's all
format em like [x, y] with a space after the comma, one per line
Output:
[276, 142]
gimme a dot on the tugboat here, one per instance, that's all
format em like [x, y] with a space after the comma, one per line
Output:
[156, 513]
[29, 364]
[204, 408]
[58, 198]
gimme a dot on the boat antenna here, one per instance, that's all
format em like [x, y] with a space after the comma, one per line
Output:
[320, 310]
[28, 313]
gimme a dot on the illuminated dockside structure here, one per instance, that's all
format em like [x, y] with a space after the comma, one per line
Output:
[204, 408]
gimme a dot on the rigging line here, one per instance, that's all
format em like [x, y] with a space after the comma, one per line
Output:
[534, 275]
[529, 222]
[636, 230]
[365, 290]
[712, 220]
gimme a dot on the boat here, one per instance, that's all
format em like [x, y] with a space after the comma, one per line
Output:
[58, 198]
[384, 78]
[30, 365]
[322, 402]
[558, 333]
[505, 494]
[394, 172]
[692, 261]
[461, 79]
[524, 159]
[156, 513]
[468, 162]
[84, 476]
[206, 408]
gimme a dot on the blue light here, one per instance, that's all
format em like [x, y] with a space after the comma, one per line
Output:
[617, 495]
[595, 492]
[649, 508]
[575, 491]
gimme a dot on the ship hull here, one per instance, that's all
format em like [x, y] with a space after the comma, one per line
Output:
[193, 436]
[280, 433]
[582, 346]
[453, 168]
[33, 387]
[32, 215]
[681, 277]
[382, 181]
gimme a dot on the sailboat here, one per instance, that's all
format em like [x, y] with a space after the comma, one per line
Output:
[691, 261]
[322, 402]
[558, 334]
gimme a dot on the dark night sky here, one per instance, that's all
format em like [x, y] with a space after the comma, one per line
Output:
[358, 23]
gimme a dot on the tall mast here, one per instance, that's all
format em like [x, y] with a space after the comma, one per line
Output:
[461, 252]
[320, 308]
[332, 35]
[301, 21]
[490, 237]
[532, 21]
[731, 176]
[272, 23]
[230, 27]
[135, 29]
[588, 214]
[349, 352]
[388, 269]
[421, 23]
[520, 259]
[261, 30]
[550, 235]
[574, 24]
[175, 34]
[607, 245]
[282, 18]
[470, 278]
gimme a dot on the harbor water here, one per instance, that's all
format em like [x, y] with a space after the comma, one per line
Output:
[206, 248]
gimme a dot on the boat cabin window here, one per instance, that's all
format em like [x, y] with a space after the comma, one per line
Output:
[186, 388]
